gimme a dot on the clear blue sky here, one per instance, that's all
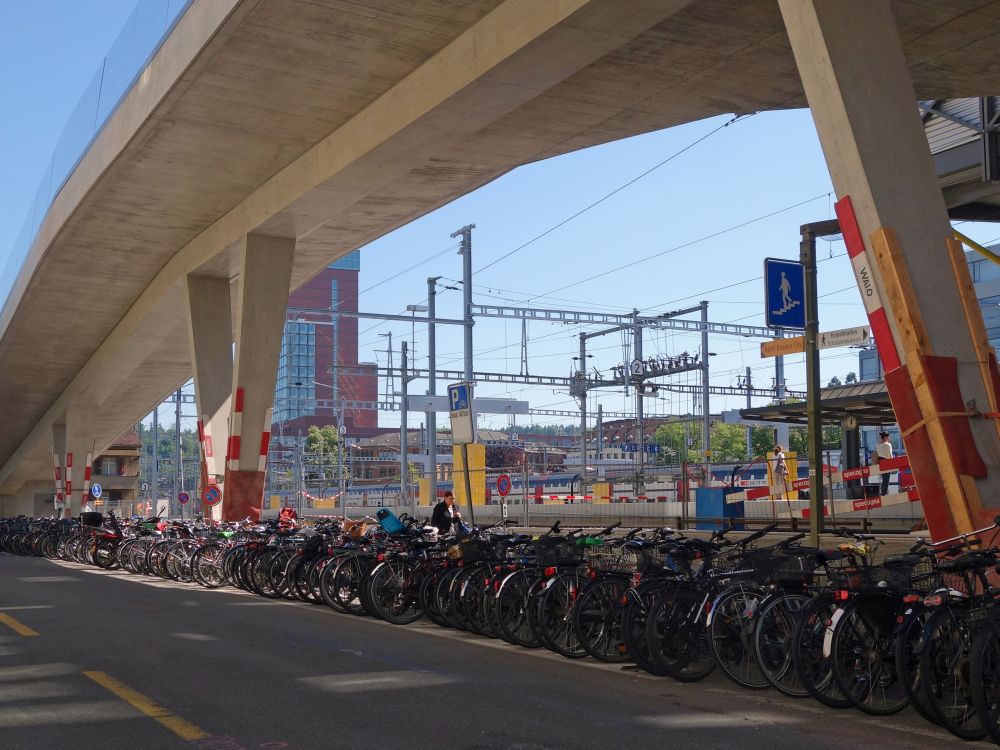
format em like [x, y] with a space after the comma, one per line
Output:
[50, 49]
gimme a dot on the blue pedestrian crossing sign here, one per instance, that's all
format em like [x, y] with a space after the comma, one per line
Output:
[784, 294]
[96, 490]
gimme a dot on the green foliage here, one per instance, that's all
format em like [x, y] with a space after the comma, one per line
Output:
[852, 377]
[545, 429]
[323, 445]
[834, 381]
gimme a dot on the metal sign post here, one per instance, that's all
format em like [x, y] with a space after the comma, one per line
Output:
[807, 255]
[463, 431]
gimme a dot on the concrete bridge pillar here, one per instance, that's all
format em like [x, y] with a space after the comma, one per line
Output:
[940, 370]
[265, 277]
[59, 468]
[210, 334]
[79, 455]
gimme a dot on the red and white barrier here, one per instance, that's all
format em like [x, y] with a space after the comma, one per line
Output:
[86, 479]
[885, 466]
[235, 432]
[69, 480]
[205, 439]
[861, 263]
[59, 481]
[265, 440]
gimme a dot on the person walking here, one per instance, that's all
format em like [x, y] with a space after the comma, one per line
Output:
[780, 469]
[445, 514]
[883, 450]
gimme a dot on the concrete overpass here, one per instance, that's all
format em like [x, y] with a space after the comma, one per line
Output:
[268, 137]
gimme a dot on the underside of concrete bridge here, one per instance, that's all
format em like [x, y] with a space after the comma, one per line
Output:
[326, 124]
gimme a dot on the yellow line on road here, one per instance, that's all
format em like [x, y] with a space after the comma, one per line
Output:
[18, 627]
[154, 710]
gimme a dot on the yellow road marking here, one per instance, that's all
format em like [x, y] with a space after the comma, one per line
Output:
[154, 710]
[18, 627]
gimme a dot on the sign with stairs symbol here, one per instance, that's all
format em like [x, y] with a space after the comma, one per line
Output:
[784, 294]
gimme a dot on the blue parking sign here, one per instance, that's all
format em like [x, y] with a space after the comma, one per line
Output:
[458, 396]
[784, 294]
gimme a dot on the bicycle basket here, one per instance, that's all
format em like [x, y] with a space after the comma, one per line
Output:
[555, 551]
[474, 549]
[795, 566]
[612, 559]
[94, 520]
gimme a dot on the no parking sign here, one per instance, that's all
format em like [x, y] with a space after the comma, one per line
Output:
[212, 495]
[503, 485]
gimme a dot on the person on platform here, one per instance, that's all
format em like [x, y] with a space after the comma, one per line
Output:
[883, 450]
[780, 470]
[445, 514]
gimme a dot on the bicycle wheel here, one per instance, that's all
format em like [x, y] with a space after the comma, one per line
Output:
[946, 667]
[512, 607]
[677, 637]
[773, 638]
[206, 565]
[444, 604]
[731, 637]
[348, 578]
[106, 553]
[811, 661]
[555, 616]
[863, 656]
[597, 619]
[638, 602]
[985, 678]
[908, 635]
[393, 597]
[428, 600]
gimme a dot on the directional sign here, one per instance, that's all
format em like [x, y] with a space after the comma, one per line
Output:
[96, 490]
[463, 421]
[781, 347]
[183, 497]
[212, 495]
[845, 337]
[784, 294]
[503, 485]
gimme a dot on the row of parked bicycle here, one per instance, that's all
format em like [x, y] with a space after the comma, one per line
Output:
[918, 629]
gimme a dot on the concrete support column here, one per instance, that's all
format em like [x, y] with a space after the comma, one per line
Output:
[898, 236]
[59, 468]
[80, 420]
[210, 335]
[265, 277]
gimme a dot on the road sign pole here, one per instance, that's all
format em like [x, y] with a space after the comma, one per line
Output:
[468, 482]
[807, 255]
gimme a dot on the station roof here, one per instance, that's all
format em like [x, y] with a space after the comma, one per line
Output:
[868, 402]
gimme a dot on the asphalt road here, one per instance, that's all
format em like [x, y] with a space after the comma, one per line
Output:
[105, 660]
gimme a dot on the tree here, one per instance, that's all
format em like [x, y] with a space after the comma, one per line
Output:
[832, 435]
[729, 442]
[851, 378]
[834, 381]
[323, 445]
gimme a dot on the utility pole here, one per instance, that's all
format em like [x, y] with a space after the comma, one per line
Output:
[390, 384]
[299, 478]
[582, 374]
[154, 474]
[341, 429]
[524, 346]
[640, 485]
[706, 412]
[600, 432]
[430, 417]
[748, 384]
[466, 252]
[177, 453]
[403, 442]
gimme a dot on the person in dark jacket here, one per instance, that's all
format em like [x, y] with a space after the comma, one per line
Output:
[445, 514]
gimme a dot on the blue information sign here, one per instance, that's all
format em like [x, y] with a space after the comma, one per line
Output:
[96, 490]
[458, 396]
[784, 294]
